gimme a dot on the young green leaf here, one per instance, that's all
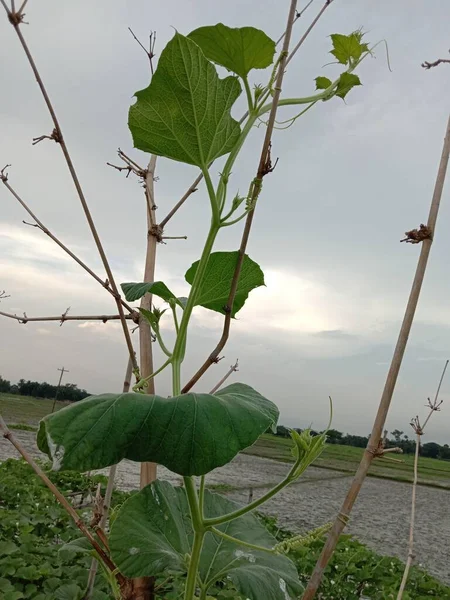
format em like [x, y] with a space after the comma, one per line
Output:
[238, 49]
[346, 82]
[184, 113]
[216, 284]
[164, 539]
[322, 83]
[151, 317]
[190, 434]
[135, 291]
[348, 48]
[306, 448]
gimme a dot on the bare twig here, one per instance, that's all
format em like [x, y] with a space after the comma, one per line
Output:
[108, 495]
[60, 139]
[151, 47]
[232, 369]
[265, 167]
[429, 65]
[64, 317]
[380, 419]
[7, 434]
[298, 15]
[419, 431]
[192, 188]
[4, 295]
[308, 31]
[44, 229]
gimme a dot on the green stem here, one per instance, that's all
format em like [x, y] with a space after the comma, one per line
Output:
[175, 318]
[249, 95]
[199, 534]
[231, 160]
[161, 342]
[140, 384]
[230, 538]
[203, 593]
[309, 99]
[224, 223]
[191, 581]
[201, 496]
[178, 351]
[290, 477]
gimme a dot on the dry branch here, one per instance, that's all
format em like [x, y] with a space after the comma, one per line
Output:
[44, 229]
[108, 495]
[65, 317]
[220, 383]
[16, 20]
[380, 419]
[429, 65]
[418, 430]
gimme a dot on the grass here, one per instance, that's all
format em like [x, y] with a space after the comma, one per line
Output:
[25, 410]
[432, 472]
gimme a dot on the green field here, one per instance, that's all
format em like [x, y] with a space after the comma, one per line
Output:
[24, 409]
[346, 458]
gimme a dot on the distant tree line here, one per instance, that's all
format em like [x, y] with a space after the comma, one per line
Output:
[69, 391]
[398, 439]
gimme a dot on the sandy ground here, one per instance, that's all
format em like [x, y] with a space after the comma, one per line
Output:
[380, 517]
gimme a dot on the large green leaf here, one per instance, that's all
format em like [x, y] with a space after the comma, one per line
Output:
[163, 538]
[239, 50]
[184, 114]
[190, 434]
[216, 284]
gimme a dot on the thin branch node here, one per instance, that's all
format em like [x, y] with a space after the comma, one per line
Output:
[64, 315]
[16, 18]
[55, 136]
[415, 236]
[3, 174]
[157, 232]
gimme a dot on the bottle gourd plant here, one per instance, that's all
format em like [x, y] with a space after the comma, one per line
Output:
[185, 115]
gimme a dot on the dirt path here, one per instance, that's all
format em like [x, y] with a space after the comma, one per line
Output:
[380, 517]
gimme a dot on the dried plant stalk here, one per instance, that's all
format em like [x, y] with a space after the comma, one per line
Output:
[380, 419]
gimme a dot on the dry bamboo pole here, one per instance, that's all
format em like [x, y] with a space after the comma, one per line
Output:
[385, 402]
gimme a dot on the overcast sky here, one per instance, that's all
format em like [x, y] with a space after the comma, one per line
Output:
[351, 179]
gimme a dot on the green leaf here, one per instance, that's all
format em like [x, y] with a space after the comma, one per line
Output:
[135, 291]
[69, 591]
[216, 284]
[7, 548]
[13, 595]
[306, 448]
[239, 50]
[348, 48]
[322, 83]
[190, 434]
[164, 539]
[184, 113]
[347, 81]
[76, 546]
